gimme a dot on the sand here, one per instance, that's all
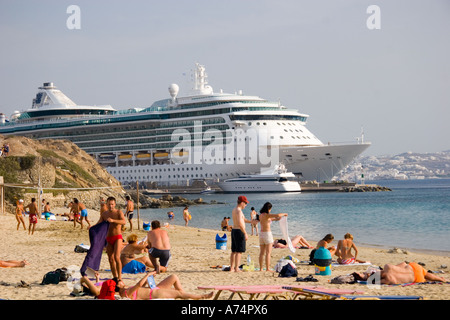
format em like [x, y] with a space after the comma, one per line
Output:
[194, 254]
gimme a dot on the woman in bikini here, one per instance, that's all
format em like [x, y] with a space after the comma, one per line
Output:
[169, 288]
[163, 290]
[265, 234]
[20, 211]
[344, 251]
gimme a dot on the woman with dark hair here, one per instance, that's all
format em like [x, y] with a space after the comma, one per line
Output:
[265, 234]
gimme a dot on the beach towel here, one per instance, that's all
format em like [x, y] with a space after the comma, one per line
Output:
[97, 237]
[352, 264]
[134, 267]
[284, 231]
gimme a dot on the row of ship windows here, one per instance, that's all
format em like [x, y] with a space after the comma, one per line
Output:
[178, 176]
[155, 170]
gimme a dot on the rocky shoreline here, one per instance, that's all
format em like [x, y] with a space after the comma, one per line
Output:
[365, 188]
[165, 201]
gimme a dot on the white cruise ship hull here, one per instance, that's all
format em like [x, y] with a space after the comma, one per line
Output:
[320, 163]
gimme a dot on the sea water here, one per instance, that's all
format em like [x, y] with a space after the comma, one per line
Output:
[414, 215]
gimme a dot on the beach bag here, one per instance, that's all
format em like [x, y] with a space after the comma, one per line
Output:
[108, 290]
[288, 271]
[81, 248]
[51, 277]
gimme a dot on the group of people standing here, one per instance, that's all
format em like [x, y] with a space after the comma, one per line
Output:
[239, 235]
[264, 218]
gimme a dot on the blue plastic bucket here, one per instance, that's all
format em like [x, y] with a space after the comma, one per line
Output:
[221, 242]
[322, 262]
[146, 226]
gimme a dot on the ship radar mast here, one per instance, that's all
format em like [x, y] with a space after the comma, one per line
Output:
[200, 83]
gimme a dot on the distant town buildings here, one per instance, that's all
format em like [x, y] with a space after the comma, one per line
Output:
[404, 166]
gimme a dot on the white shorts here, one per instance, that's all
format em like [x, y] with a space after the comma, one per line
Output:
[265, 237]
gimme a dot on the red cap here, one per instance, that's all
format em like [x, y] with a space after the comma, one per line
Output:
[242, 199]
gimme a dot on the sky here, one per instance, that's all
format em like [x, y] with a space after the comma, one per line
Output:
[385, 72]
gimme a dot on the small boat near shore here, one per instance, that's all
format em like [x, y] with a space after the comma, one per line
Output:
[279, 180]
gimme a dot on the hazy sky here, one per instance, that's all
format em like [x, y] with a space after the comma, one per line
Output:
[319, 57]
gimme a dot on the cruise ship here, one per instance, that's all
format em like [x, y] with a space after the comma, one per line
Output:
[202, 135]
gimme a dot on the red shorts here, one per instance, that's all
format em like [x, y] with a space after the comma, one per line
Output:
[112, 239]
[33, 218]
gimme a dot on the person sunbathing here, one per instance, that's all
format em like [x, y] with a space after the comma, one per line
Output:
[298, 242]
[402, 273]
[141, 290]
[13, 263]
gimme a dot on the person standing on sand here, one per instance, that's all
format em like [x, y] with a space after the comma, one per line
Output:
[114, 238]
[238, 234]
[158, 247]
[254, 217]
[81, 208]
[265, 234]
[19, 214]
[74, 209]
[33, 212]
[129, 211]
[186, 216]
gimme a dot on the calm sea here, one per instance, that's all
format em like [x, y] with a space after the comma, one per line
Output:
[415, 215]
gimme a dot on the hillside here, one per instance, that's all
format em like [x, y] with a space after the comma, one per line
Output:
[61, 165]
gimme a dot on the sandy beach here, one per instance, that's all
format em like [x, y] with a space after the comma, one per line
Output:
[194, 254]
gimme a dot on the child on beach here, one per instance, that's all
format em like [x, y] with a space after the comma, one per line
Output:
[186, 216]
[114, 238]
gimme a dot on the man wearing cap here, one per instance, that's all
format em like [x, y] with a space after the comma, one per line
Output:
[238, 234]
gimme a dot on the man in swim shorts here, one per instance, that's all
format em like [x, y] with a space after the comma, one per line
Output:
[129, 211]
[81, 208]
[158, 247]
[238, 234]
[114, 238]
[402, 273]
[33, 215]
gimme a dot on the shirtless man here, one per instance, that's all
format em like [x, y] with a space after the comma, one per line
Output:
[129, 211]
[19, 214]
[74, 209]
[158, 247]
[33, 215]
[402, 273]
[114, 237]
[81, 208]
[238, 234]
